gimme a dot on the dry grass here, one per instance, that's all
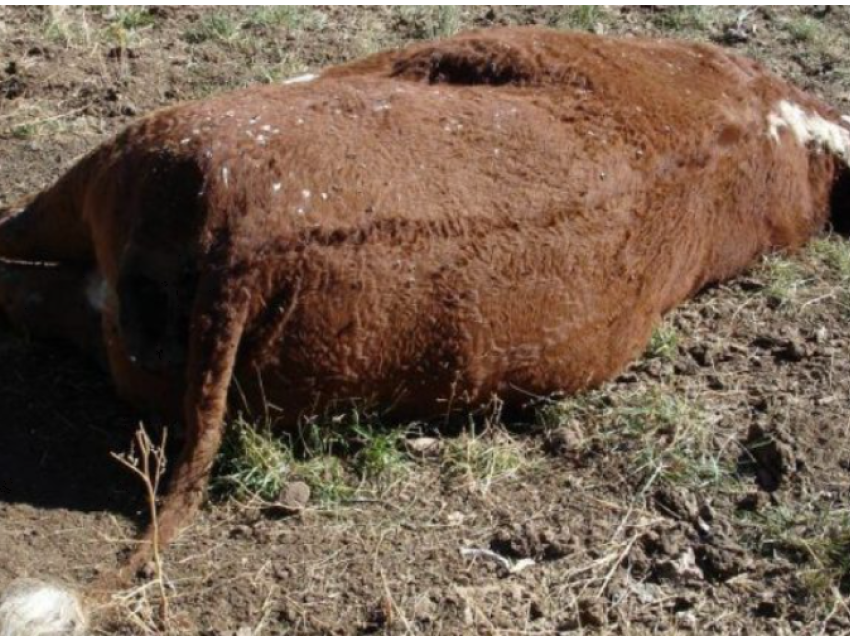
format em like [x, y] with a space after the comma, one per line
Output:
[813, 536]
[252, 463]
[147, 461]
[663, 436]
[481, 461]
[428, 22]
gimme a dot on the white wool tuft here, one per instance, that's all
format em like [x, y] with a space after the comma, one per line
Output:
[810, 128]
[97, 291]
[33, 608]
[301, 79]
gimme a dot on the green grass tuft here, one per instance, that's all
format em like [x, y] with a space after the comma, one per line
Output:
[380, 455]
[815, 538]
[252, 463]
[213, 26]
[291, 17]
[135, 18]
[583, 17]
[25, 131]
[804, 30]
[426, 22]
[67, 26]
[834, 253]
[482, 461]
[664, 437]
[784, 277]
[683, 18]
[664, 343]
[327, 478]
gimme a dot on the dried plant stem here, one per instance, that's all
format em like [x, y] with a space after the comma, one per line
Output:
[147, 461]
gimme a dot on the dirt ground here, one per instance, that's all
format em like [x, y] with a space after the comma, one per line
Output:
[704, 491]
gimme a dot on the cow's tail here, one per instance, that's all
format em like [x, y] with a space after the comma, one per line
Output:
[218, 321]
[37, 608]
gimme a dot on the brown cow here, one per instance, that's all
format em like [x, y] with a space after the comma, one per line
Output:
[506, 212]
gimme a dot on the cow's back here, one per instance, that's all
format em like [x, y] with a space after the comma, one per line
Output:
[438, 238]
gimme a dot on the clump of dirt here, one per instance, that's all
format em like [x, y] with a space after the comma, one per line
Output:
[771, 459]
[705, 490]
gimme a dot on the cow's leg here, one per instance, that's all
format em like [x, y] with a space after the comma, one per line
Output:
[54, 302]
[217, 325]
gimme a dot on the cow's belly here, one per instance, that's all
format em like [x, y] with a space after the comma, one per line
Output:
[423, 339]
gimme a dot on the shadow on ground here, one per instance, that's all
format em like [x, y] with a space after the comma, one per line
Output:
[59, 421]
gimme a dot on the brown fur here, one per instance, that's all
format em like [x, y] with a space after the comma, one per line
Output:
[507, 212]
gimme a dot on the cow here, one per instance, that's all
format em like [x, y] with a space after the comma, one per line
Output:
[507, 212]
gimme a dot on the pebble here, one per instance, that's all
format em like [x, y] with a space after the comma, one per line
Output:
[295, 496]
[423, 446]
[424, 609]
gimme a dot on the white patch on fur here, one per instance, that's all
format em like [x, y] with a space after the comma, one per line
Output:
[97, 291]
[809, 128]
[301, 79]
[33, 608]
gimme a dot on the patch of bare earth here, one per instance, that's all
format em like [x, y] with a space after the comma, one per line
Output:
[706, 490]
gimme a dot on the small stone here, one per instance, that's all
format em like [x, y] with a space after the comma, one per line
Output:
[147, 572]
[752, 501]
[792, 350]
[37, 51]
[676, 503]
[715, 382]
[295, 496]
[240, 532]
[686, 620]
[721, 562]
[774, 459]
[468, 615]
[121, 52]
[767, 607]
[455, 518]
[565, 441]
[423, 446]
[750, 285]
[682, 569]
[591, 612]
[646, 593]
[424, 609]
